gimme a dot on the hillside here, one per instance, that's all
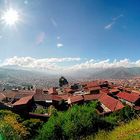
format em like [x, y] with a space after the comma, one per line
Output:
[130, 131]
[11, 77]
[109, 73]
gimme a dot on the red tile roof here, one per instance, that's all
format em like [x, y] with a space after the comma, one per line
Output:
[131, 97]
[110, 102]
[17, 94]
[114, 90]
[23, 100]
[75, 99]
[105, 90]
[56, 98]
[94, 88]
[64, 96]
[90, 97]
[2, 96]
[42, 97]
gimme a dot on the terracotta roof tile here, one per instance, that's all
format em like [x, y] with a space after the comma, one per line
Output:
[64, 96]
[90, 97]
[131, 97]
[75, 99]
[23, 100]
[111, 103]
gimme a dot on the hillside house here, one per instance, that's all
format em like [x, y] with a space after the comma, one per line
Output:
[130, 99]
[109, 104]
[25, 104]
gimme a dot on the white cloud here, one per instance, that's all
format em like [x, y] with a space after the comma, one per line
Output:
[106, 64]
[59, 45]
[54, 65]
[40, 64]
[109, 25]
[114, 19]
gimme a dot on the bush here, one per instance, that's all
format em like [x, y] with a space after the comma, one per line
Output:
[7, 132]
[33, 125]
[41, 111]
[75, 123]
[125, 115]
[11, 126]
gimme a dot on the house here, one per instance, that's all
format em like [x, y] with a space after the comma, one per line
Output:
[65, 97]
[104, 84]
[94, 90]
[129, 98]
[92, 84]
[91, 97]
[13, 96]
[42, 99]
[105, 90]
[114, 91]
[77, 99]
[10, 96]
[24, 104]
[110, 104]
[45, 100]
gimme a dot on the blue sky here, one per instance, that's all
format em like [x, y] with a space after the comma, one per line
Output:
[85, 29]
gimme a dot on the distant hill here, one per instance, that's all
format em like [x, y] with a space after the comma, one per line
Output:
[12, 77]
[116, 73]
[109, 73]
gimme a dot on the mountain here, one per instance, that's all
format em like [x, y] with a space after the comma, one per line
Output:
[116, 73]
[108, 73]
[18, 77]
[11, 77]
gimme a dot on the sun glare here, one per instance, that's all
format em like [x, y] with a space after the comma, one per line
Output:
[10, 17]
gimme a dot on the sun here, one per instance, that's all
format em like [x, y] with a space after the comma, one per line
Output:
[10, 17]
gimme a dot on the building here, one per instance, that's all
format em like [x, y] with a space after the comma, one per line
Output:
[130, 99]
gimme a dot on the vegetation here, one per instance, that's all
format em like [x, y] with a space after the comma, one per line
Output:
[11, 126]
[78, 122]
[75, 123]
[62, 81]
[41, 111]
[130, 131]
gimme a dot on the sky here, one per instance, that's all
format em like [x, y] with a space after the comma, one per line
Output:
[71, 34]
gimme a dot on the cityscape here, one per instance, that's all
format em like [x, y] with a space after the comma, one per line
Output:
[69, 70]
